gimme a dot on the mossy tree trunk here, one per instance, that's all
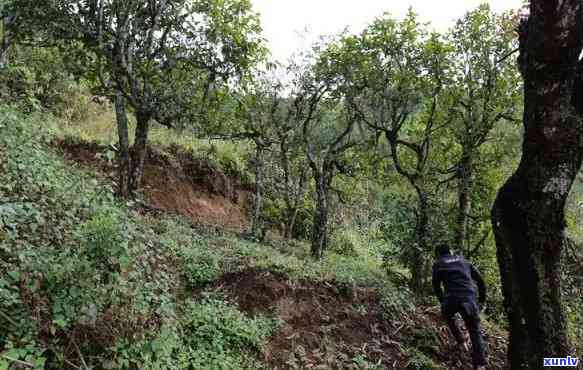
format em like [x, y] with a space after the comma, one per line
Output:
[124, 158]
[140, 149]
[528, 215]
[465, 187]
[323, 176]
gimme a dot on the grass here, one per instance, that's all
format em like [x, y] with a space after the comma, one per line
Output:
[98, 125]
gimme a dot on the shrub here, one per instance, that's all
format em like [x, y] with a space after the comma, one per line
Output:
[200, 267]
[106, 239]
[347, 243]
[40, 79]
[419, 361]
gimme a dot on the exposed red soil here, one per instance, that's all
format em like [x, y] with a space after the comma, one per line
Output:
[180, 185]
[325, 325]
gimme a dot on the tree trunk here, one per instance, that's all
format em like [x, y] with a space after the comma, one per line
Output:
[291, 211]
[294, 200]
[290, 224]
[418, 276]
[256, 223]
[528, 215]
[320, 226]
[3, 44]
[140, 149]
[464, 200]
[123, 154]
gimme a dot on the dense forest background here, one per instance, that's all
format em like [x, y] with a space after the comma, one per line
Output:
[170, 197]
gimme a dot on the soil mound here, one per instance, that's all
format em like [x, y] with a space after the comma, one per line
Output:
[176, 183]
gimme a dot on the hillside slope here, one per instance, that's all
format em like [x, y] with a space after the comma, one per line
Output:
[174, 182]
[89, 282]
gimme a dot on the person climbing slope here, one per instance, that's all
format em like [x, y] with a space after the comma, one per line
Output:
[457, 277]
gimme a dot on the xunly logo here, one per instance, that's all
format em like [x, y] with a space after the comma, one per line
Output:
[452, 259]
[561, 361]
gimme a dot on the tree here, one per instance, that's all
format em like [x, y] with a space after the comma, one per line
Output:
[260, 112]
[485, 90]
[400, 99]
[295, 171]
[162, 57]
[326, 138]
[528, 215]
[327, 126]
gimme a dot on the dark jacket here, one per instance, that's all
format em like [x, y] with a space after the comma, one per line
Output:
[456, 275]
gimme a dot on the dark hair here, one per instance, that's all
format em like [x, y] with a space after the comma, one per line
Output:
[442, 249]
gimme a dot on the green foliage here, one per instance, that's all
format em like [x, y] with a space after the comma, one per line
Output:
[181, 34]
[39, 79]
[347, 242]
[212, 324]
[106, 238]
[396, 301]
[201, 266]
[76, 263]
[230, 157]
[425, 340]
[116, 282]
[210, 334]
[420, 361]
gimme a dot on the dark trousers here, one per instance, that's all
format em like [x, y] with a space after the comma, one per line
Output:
[468, 309]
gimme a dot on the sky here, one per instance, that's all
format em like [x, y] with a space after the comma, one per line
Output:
[284, 21]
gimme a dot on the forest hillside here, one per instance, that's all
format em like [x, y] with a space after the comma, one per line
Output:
[171, 197]
[98, 283]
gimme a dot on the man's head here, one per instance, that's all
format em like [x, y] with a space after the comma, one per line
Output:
[442, 249]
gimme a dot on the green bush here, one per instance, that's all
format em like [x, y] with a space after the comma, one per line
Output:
[40, 79]
[210, 334]
[70, 254]
[213, 323]
[106, 239]
[200, 267]
[419, 361]
[347, 242]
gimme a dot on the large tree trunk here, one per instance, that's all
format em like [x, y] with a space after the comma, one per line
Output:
[528, 215]
[140, 149]
[464, 200]
[322, 179]
[124, 159]
[256, 223]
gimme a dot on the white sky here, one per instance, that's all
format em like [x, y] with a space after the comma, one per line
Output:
[284, 20]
